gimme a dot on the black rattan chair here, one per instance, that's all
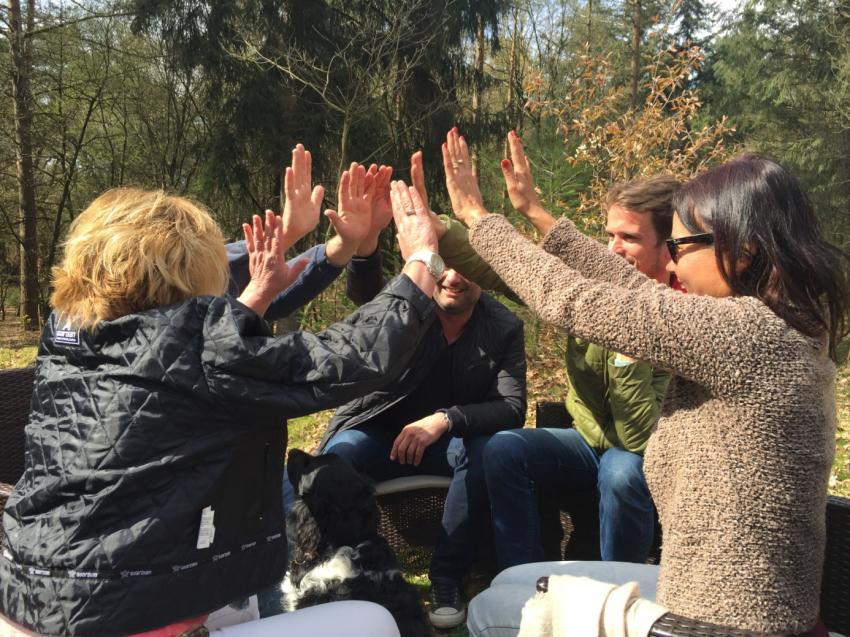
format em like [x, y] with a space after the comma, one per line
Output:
[411, 520]
[15, 398]
[411, 512]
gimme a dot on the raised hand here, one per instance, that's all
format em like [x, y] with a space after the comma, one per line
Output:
[382, 210]
[461, 182]
[412, 220]
[301, 203]
[417, 176]
[523, 196]
[517, 173]
[270, 274]
[353, 216]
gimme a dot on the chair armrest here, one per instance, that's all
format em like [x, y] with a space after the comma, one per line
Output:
[835, 587]
[672, 625]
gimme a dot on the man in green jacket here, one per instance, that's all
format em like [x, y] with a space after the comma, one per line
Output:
[614, 401]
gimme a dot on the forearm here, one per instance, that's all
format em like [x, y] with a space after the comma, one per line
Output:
[540, 218]
[301, 372]
[364, 277]
[589, 257]
[644, 322]
[459, 255]
[487, 418]
[339, 252]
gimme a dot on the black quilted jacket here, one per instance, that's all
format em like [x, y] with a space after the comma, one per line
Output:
[140, 427]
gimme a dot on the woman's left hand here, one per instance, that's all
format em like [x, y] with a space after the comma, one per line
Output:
[461, 182]
[270, 274]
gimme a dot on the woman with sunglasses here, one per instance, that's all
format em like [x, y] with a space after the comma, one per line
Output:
[739, 462]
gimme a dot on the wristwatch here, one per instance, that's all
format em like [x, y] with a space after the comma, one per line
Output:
[432, 261]
[447, 418]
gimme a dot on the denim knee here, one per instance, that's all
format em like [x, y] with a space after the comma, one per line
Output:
[622, 474]
[503, 451]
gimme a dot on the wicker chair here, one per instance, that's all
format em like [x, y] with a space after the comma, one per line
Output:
[15, 397]
[411, 519]
[411, 512]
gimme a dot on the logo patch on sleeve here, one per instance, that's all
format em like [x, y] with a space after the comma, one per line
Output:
[66, 335]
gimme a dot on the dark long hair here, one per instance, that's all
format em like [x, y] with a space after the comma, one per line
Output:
[757, 211]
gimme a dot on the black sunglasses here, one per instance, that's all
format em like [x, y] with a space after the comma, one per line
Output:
[706, 238]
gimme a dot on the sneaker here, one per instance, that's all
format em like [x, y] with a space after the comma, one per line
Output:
[447, 608]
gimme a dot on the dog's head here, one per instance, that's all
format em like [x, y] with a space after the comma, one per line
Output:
[335, 505]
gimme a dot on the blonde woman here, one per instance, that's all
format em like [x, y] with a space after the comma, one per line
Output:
[156, 440]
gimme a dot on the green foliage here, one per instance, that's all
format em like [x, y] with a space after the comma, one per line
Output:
[781, 73]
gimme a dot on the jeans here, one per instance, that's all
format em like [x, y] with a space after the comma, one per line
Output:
[516, 459]
[367, 448]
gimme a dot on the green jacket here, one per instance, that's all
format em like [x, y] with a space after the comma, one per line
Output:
[614, 402]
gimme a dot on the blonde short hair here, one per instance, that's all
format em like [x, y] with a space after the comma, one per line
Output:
[133, 250]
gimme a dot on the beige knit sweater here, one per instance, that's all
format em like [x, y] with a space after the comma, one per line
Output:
[739, 461]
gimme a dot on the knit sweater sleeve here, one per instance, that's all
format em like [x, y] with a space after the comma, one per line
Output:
[708, 340]
[589, 257]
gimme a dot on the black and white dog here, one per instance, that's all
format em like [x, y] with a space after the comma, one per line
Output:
[336, 552]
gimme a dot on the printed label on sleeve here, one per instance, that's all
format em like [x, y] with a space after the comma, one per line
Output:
[206, 531]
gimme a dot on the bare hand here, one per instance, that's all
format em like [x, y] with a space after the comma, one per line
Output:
[382, 207]
[410, 445]
[301, 205]
[270, 274]
[354, 216]
[417, 177]
[412, 220]
[517, 173]
[461, 182]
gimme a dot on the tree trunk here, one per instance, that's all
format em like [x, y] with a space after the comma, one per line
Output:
[478, 84]
[589, 23]
[22, 101]
[636, 35]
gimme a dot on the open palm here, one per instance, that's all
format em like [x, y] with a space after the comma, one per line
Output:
[302, 202]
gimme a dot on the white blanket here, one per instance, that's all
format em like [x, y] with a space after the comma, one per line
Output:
[584, 607]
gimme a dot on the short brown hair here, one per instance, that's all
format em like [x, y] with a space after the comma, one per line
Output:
[133, 250]
[653, 195]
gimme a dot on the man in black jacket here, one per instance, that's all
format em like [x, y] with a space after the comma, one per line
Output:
[464, 382]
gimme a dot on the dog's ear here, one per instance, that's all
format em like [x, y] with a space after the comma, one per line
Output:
[296, 462]
[303, 536]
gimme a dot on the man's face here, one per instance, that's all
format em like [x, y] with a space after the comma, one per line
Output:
[632, 236]
[456, 294]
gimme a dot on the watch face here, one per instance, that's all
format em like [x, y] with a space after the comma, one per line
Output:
[436, 265]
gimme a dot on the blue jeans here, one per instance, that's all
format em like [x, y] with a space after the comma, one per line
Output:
[367, 448]
[516, 459]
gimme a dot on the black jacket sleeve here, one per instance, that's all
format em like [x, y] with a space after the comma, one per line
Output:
[364, 278]
[299, 372]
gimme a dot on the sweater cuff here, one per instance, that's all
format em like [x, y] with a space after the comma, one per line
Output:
[559, 237]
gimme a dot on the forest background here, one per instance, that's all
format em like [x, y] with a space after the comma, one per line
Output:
[207, 99]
